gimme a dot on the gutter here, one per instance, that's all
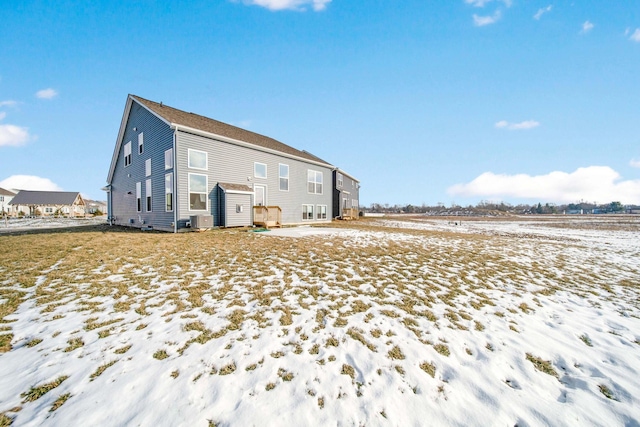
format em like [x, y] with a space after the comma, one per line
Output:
[246, 144]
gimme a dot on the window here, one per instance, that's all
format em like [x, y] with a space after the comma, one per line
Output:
[147, 193]
[138, 196]
[197, 192]
[314, 182]
[354, 203]
[147, 167]
[259, 170]
[322, 211]
[168, 192]
[284, 177]
[1, 198]
[197, 159]
[140, 143]
[307, 212]
[340, 180]
[127, 154]
[168, 159]
[48, 210]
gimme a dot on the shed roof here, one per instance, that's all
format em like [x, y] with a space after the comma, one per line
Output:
[4, 192]
[41, 198]
[202, 123]
[229, 188]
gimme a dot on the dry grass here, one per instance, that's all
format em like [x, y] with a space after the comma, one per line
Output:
[37, 392]
[220, 285]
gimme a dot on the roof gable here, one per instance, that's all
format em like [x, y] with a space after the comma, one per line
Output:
[55, 198]
[4, 192]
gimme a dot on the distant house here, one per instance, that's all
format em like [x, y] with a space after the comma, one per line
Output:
[48, 203]
[346, 193]
[93, 206]
[5, 198]
[172, 170]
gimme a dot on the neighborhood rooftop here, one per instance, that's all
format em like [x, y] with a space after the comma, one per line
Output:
[41, 198]
[4, 192]
[202, 123]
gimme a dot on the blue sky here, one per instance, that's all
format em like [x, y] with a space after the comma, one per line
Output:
[452, 101]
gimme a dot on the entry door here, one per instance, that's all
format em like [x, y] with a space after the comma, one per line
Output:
[259, 195]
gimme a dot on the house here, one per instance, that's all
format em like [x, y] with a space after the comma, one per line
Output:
[346, 192]
[172, 170]
[49, 203]
[93, 206]
[5, 198]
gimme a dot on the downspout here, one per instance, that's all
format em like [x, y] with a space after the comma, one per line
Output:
[175, 182]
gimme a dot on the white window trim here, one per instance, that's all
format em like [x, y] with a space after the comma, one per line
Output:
[138, 196]
[127, 148]
[318, 212]
[147, 167]
[312, 212]
[282, 177]
[168, 190]
[255, 174]
[206, 177]
[168, 155]
[141, 143]
[315, 182]
[148, 196]
[206, 159]
[340, 180]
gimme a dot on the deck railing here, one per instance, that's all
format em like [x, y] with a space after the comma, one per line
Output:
[349, 213]
[267, 216]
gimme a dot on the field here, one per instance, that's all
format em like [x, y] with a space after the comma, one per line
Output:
[389, 321]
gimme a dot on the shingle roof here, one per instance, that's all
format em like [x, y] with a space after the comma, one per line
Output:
[4, 192]
[228, 187]
[195, 121]
[26, 198]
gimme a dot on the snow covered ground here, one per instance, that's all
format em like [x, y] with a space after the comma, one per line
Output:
[378, 322]
[14, 224]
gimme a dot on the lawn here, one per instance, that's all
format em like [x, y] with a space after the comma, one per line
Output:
[402, 321]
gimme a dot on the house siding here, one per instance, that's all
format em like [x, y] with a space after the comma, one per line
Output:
[349, 190]
[233, 218]
[158, 137]
[232, 163]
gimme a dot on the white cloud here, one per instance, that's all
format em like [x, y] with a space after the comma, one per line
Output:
[541, 12]
[481, 21]
[594, 183]
[8, 103]
[635, 36]
[526, 125]
[11, 135]
[29, 182]
[317, 5]
[586, 27]
[634, 163]
[47, 93]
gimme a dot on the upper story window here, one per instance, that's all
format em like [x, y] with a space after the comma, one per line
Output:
[147, 167]
[259, 170]
[283, 172]
[127, 154]
[340, 180]
[314, 182]
[197, 159]
[168, 159]
[140, 143]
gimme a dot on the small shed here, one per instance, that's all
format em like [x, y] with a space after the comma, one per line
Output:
[236, 204]
[50, 203]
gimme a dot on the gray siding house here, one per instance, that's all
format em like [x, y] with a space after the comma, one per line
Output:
[346, 194]
[170, 168]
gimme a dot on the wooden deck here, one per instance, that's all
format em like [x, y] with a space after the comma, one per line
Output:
[267, 216]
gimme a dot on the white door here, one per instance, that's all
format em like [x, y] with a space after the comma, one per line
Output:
[259, 195]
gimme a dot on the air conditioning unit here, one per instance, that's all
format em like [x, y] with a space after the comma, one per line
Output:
[201, 221]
